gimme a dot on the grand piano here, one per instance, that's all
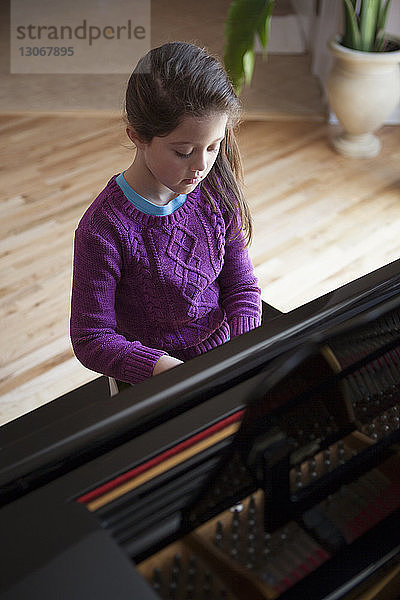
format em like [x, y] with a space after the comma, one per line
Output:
[266, 468]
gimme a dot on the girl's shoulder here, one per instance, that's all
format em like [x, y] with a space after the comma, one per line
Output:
[106, 211]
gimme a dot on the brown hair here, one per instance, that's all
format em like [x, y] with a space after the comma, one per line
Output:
[179, 79]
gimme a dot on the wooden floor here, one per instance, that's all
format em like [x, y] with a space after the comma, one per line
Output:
[320, 221]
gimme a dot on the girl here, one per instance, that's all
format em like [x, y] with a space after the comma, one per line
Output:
[161, 268]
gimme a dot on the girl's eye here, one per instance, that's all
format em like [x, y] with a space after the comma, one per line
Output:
[182, 155]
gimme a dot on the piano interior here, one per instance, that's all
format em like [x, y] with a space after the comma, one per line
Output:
[277, 478]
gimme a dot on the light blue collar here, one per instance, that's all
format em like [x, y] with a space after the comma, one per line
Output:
[146, 206]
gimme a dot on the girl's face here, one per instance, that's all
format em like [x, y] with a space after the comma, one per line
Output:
[178, 161]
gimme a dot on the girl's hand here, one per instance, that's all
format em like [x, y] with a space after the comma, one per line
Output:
[166, 362]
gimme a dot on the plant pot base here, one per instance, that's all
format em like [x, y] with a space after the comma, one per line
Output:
[365, 145]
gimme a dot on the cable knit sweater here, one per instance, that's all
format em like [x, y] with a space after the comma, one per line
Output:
[146, 285]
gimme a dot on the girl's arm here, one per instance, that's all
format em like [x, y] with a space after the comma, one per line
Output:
[241, 296]
[98, 346]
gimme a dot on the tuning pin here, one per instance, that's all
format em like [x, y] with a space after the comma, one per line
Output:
[327, 458]
[177, 563]
[298, 477]
[370, 430]
[234, 539]
[189, 592]
[235, 527]
[172, 590]
[394, 418]
[235, 520]
[384, 423]
[157, 580]
[191, 578]
[175, 576]
[374, 430]
[192, 567]
[252, 506]
[250, 551]
[207, 584]
[251, 521]
[267, 541]
[284, 534]
[249, 564]
[219, 534]
[312, 467]
[341, 452]
[234, 552]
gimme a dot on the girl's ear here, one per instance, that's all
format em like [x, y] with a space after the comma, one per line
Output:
[134, 137]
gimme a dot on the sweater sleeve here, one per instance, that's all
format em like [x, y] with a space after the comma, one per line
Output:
[97, 345]
[241, 296]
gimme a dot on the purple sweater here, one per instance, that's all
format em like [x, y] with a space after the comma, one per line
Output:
[146, 285]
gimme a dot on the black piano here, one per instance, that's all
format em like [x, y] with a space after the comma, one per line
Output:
[266, 468]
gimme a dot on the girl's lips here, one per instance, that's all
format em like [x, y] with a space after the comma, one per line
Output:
[191, 181]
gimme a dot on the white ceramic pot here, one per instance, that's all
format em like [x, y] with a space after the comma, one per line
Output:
[363, 89]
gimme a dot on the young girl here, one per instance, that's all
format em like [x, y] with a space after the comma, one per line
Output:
[161, 268]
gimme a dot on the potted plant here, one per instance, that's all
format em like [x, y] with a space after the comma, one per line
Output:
[363, 88]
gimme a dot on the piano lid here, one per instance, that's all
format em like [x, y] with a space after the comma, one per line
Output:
[86, 422]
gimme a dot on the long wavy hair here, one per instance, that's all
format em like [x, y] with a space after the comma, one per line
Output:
[179, 79]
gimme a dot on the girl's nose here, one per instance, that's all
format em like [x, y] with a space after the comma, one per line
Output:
[199, 163]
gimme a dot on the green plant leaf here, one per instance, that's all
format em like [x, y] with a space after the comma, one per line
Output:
[264, 23]
[381, 25]
[248, 66]
[368, 21]
[382, 14]
[352, 35]
[241, 26]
